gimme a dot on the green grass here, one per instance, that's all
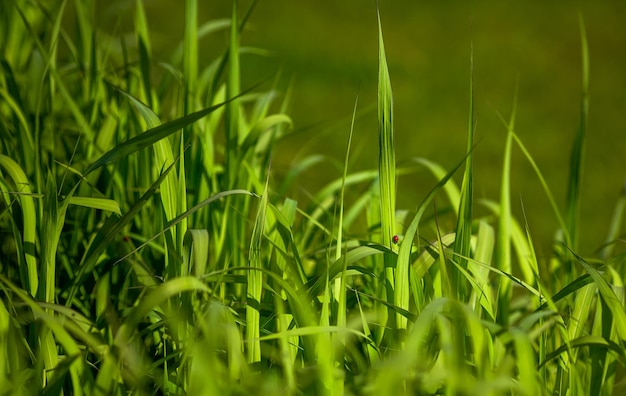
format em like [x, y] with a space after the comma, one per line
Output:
[149, 247]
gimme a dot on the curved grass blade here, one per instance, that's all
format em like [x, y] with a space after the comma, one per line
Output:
[29, 221]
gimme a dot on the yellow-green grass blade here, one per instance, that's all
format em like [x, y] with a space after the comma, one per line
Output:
[172, 190]
[105, 204]
[612, 301]
[386, 162]
[195, 253]
[283, 238]
[577, 153]
[29, 221]
[485, 242]
[503, 240]
[290, 262]
[255, 282]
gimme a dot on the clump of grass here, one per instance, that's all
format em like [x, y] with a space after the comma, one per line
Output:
[147, 246]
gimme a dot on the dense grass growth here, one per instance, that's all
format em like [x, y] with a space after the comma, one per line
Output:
[148, 248]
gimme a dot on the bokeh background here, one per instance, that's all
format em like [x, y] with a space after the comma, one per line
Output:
[328, 50]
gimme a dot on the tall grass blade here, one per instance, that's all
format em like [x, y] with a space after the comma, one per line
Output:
[386, 163]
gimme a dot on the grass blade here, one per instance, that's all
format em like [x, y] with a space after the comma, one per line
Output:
[255, 282]
[386, 164]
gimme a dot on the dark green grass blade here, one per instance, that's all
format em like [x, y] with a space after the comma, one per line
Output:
[577, 154]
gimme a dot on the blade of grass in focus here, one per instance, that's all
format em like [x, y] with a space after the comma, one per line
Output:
[255, 282]
[386, 168]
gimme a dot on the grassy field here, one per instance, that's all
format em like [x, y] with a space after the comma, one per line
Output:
[152, 243]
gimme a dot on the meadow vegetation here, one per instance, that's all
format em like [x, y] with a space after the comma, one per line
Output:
[148, 247]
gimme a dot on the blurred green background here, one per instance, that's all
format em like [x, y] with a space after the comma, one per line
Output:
[329, 49]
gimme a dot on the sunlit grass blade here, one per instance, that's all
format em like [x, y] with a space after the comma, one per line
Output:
[613, 303]
[195, 253]
[503, 251]
[255, 282]
[485, 242]
[386, 173]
